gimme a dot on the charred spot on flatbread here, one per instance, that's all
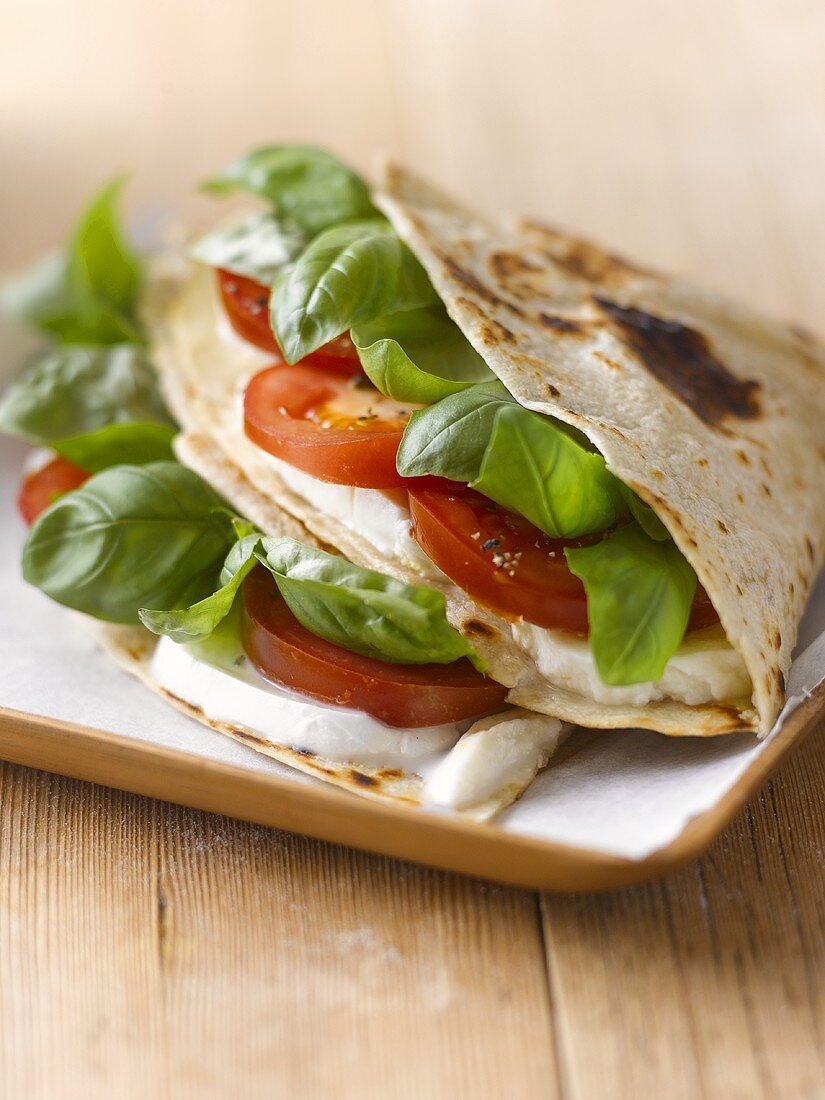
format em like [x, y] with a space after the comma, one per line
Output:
[362, 779]
[506, 265]
[682, 359]
[559, 324]
[493, 332]
[583, 259]
[478, 629]
[473, 283]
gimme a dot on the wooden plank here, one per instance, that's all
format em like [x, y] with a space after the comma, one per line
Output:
[150, 949]
[710, 982]
[79, 991]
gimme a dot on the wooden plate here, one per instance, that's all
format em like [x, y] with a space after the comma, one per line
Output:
[414, 834]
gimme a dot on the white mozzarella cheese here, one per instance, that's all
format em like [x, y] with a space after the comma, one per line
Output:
[216, 676]
[705, 668]
[494, 760]
[246, 354]
[379, 515]
[484, 767]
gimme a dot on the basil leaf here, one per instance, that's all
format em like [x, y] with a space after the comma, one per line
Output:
[308, 186]
[644, 515]
[101, 265]
[639, 594]
[449, 438]
[242, 529]
[78, 389]
[88, 293]
[257, 248]
[526, 462]
[134, 443]
[37, 293]
[419, 355]
[348, 275]
[362, 611]
[131, 537]
[190, 624]
[533, 467]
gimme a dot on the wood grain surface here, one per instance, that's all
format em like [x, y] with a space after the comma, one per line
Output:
[146, 949]
[150, 950]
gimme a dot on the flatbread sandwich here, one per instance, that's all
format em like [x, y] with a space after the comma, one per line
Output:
[399, 494]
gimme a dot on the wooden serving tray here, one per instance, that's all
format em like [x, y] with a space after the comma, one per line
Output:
[407, 833]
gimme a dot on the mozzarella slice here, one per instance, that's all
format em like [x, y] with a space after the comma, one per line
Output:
[494, 761]
[379, 515]
[704, 668]
[216, 676]
[480, 772]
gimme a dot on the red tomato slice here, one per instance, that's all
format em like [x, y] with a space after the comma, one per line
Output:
[333, 428]
[499, 558]
[247, 306]
[338, 357]
[703, 613]
[43, 486]
[507, 564]
[406, 696]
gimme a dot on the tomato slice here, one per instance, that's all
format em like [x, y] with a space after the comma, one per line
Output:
[702, 613]
[247, 307]
[507, 564]
[337, 429]
[40, 488]
[338, 357]
[406, 696]
[499, 558]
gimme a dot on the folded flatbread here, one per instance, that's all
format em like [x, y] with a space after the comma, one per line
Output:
[712, 414]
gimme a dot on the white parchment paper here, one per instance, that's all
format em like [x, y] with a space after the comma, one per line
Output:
[623, 792]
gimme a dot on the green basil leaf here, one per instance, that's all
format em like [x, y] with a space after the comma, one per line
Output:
[362, 611]
[96, 324]
[533, 467]
[526, 462]
[449, 438]
[39, 292]
[74, 390]
[639, 594]
[191, 624]
[242, 529]
[419, 355]
[102, 266]
[131, 537]
[132, 444]
[644, 515]
[88, 293]
[257, 248]
[308, 186]
[348, 275]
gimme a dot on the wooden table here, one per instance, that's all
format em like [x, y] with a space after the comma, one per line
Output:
[147, 950]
